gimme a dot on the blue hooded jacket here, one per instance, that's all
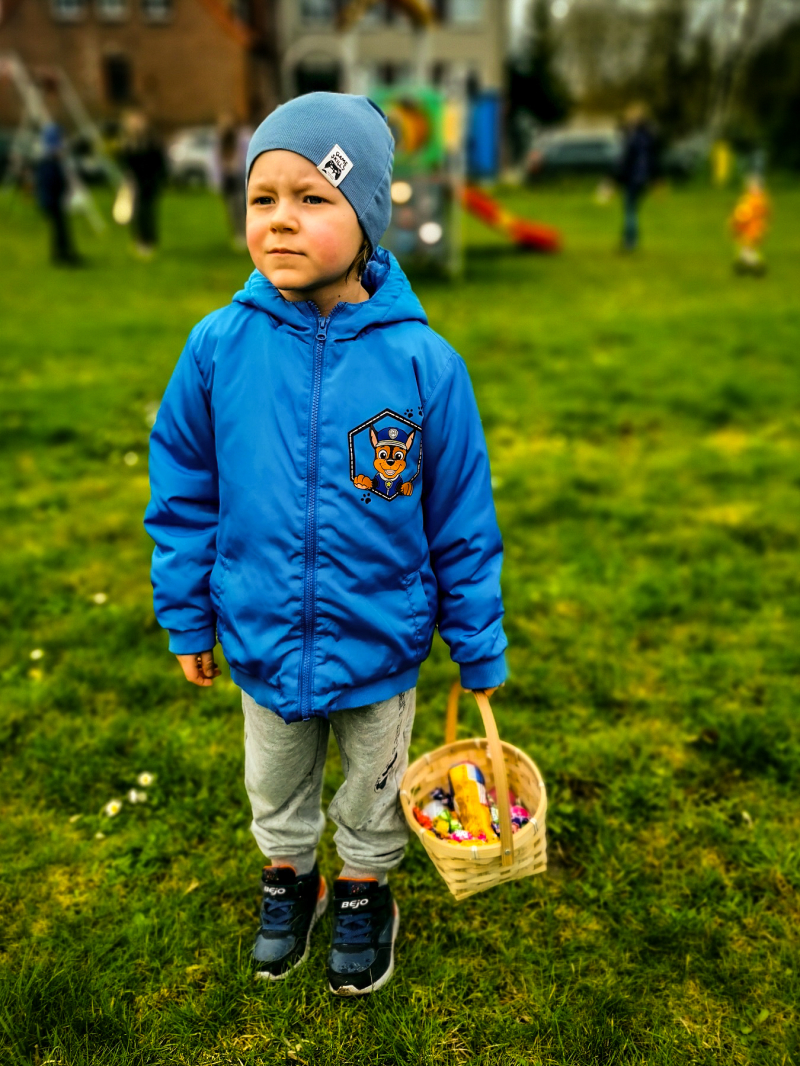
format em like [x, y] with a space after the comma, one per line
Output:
[278, 523]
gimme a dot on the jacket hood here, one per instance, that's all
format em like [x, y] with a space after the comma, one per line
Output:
[391, 300]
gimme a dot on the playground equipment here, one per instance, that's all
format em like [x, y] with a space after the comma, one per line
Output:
[433, 134]
[425, 228]
[36, 115]
[442, 139]
[525, 234]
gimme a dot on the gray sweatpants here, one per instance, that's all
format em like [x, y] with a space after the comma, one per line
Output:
[283, 776]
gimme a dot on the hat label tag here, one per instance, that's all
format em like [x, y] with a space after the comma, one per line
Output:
[335, 166]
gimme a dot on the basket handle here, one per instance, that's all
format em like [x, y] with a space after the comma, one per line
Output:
[498, 762]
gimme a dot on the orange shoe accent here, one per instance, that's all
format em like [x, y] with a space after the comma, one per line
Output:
[323, 888]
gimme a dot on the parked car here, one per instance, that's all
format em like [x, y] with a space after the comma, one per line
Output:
[598, 151]
[93, 166]
[685, 157]
[192, 157]
[574, 151]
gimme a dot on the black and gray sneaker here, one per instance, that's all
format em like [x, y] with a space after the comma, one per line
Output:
[289, 911]
[367, 920]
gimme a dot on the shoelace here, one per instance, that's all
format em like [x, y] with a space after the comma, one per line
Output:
[276, 913]
[354, 928]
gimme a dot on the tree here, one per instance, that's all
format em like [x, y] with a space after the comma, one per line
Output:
[768, 97]
[535, 85]
[675, 81]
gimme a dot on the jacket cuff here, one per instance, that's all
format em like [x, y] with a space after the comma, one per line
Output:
[192, 641]
[487, 673]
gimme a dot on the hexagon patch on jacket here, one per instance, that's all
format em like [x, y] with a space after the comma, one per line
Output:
[385, 455]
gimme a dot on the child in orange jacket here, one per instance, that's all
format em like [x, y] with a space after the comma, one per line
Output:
[749, 225]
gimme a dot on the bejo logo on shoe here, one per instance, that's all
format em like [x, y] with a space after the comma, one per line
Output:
[274, 891]
[354, 903]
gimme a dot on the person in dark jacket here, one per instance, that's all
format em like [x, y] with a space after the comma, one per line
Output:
[51, 189]
[272, 534]
[637, 170]
[142, 157]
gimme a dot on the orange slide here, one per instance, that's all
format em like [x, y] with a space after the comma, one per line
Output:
[525, 234]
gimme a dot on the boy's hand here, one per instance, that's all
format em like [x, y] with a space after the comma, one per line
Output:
[489, 691]
[200, 669]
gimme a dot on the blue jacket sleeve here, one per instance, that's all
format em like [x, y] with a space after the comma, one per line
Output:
[183, 512]
[466, 549]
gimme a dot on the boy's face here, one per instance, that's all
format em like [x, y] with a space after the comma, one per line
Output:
[302, 232]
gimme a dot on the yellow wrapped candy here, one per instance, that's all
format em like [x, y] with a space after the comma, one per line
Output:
[469, 796]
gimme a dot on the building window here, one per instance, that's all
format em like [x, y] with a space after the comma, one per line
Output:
[392, 73]
[440, 72]
[118, 79]
[317, 76]
[69, 10]
[111, 10]
[319, 10]
[157, 10]
[466, 12]
[381, 14]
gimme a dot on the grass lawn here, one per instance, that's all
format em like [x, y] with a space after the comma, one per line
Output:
[643, 424]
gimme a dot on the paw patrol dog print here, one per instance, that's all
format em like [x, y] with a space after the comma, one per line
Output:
[391, 451]
[385, 455]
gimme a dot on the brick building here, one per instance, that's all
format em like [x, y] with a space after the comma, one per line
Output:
[392, 41]
[185, 62]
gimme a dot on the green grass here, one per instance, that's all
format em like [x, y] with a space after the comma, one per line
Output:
[643, 425]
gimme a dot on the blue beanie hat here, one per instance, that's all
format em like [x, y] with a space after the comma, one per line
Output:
[347, 138]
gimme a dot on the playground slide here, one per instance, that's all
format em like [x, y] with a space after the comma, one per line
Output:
[524, 234]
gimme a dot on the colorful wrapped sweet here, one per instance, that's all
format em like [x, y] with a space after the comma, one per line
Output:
[492, 794]
[446, 823]
[519, 816]
[434, 808]
[468, 815]
[443, 796]
[470, 800]
[422, 818]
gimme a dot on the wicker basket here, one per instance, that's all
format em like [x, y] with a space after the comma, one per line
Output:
[468, 869]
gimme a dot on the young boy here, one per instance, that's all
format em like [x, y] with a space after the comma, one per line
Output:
[749, 225]
[296, 519]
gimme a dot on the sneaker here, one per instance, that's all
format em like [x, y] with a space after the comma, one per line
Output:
[367, 920]
[291, 907]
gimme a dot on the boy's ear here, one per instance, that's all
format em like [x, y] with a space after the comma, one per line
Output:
[410, 441]
[373, 436]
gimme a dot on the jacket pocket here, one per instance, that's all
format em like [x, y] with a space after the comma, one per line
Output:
[419, 610]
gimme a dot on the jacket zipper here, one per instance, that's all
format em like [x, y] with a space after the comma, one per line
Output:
[309, 615]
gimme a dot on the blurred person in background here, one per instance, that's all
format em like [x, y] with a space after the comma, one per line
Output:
[636, 171]
[142, 158]
[232, 148]
[749, 225]
[52, 186]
